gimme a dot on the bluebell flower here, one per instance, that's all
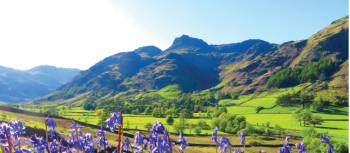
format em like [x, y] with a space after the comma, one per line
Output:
[88, 143]
[183, 143]
[3, 139]
[224, 144]
[23, 150]
[16, 128]
[138, 138]
[237, 150]
[115, 119]
[39, 144]
[126, 144]
[301, 147]
[102, 140]
[327, 140]
[145, 142]
[158, 127]
[50, 122]
[214, 136]
[242, 138]
[53, 146]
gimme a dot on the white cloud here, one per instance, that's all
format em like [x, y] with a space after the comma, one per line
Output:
[65, 33]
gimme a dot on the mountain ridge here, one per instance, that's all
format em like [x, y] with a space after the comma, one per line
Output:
[195, 65]
[25, 85]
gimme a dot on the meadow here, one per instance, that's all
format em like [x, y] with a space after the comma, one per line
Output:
[335, 123]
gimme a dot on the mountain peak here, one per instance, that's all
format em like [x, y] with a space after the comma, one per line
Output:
[148, 50]
[186, 41]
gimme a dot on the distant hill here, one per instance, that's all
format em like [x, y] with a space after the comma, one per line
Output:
[20, 86]
[194, 65]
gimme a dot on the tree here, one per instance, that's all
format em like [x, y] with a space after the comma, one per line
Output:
[170, 120]
[104, 114]
[198, 130]
[181, 125]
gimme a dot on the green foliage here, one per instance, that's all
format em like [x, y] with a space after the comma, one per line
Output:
[198, 130]
[181, 125]
[307, 118]
[89, 106]
[295, 99]
[288, 77]
[283, 78]
[229, 123]
[170, 120]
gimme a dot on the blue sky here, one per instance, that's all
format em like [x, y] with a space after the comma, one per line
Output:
[79, 33]
[225, 21]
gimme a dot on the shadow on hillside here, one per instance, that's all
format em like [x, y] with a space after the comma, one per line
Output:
[334, 111]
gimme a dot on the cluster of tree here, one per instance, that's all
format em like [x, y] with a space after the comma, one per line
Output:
[295, 98]
[89, 105]
[153, 104]
[307, 100]
[287, 77]
[226, 95]
[265, 129]
[227, 122]
[305, 117]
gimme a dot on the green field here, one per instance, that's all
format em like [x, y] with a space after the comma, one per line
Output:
[335, 120]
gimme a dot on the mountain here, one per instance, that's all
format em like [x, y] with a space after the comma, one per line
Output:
[192, 65]
[20, 86]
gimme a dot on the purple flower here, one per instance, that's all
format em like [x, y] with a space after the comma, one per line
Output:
[5, 129]
[242, 138]
[286, 148]
[136, 149]
[126, 144]
[76, 138]
[327, 140]
[50, 122]
[88, 143]
[73, 124]
[3, 139]
[301, 147]
[159, 148]
[23, 150]
[64, 145]
[158, 127]
[152, 138]
[53, 134]
[145, 142]
[138, 138]
[16, 128]
[167, 144]
[224, 144]
[102, 141]
[286, 141]
[39, 144]
[237, 150]
[183, 143]
[214, 136]
[116, 119]
[53, 146]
